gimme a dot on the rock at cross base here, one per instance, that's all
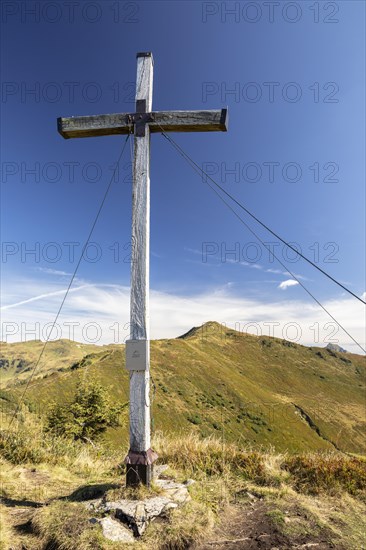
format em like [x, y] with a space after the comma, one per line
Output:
[133, 516]
[114, 530]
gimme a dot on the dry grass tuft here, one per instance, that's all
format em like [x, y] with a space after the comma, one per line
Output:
[66, 526]
[184, 526]
[331, 472]
[140, 492]
[33, 446]
[209, 456]
[6, 532]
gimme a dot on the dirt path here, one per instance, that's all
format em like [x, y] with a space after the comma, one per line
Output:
[249, 527]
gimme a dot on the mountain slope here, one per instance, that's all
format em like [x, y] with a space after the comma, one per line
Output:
[17, 360]
[259, 390]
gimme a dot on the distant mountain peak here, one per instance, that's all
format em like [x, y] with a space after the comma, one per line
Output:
[210, 327]
[335, 347]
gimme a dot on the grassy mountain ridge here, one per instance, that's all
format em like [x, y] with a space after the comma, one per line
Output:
[261, 391]
[17, 359]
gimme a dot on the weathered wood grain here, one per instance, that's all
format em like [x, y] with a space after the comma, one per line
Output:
[189, 121]
[140, 266]
[94, 125]
[122, 123]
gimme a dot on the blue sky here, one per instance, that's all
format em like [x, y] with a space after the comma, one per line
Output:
[292, 75]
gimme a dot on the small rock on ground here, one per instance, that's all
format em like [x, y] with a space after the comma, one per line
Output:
[114, 530]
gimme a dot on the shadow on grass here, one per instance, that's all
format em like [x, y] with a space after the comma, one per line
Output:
[23, 503]
[90, 492]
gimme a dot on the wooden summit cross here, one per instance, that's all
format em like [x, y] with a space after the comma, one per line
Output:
[144, 121]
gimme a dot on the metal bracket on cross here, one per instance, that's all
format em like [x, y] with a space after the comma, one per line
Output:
[141, 118]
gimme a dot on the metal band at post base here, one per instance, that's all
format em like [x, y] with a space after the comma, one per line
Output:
[141, 457]
[139, 474]
[140, 469]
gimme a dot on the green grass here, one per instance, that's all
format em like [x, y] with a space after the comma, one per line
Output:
[17, 359]
[65, 525]
[244, 414]
[249, 389]
[66, 474]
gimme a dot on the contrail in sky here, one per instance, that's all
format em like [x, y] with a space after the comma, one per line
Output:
[41, 296]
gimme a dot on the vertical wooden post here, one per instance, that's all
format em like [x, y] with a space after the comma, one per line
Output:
[140, 457]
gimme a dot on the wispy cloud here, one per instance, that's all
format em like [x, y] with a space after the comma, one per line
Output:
[99, 313]
[193, 250]
[252, 265]
[276, 271]
[286, 284]
[53, 271]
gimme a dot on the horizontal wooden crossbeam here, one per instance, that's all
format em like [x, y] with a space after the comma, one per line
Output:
[123, 123]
